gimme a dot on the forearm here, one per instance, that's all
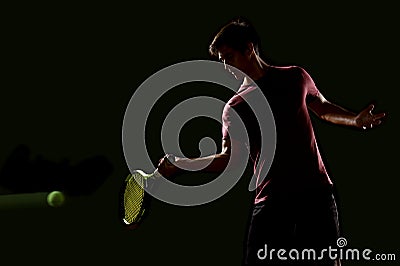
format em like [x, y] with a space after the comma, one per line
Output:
[338, 115]
[214, 163]
[229, 159]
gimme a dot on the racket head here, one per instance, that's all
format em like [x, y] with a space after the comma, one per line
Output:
[134, 200]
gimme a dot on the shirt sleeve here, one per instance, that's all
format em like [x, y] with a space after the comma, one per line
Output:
[309, 84]
[238, 120]
[233, 127]
[226, 122]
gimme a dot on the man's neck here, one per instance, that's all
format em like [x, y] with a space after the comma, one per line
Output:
[257, 71]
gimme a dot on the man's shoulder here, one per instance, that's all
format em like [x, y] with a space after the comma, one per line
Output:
[281, 75]
[274, 75]
[289, 69]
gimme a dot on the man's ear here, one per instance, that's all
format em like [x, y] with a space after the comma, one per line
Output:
[250, 49]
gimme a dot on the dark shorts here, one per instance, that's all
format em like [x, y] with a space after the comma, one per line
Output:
[297, 227]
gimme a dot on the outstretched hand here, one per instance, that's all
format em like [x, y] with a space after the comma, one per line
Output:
[366, 119]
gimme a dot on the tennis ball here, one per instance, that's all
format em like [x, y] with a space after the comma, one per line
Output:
[56, 198]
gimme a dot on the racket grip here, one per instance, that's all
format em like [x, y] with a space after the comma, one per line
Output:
[156, 174]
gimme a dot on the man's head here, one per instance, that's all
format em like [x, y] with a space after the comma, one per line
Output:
[236, 44]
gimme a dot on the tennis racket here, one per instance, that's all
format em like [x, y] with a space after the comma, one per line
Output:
[134, 199]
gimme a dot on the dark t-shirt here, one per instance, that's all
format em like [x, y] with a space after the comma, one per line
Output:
[297, 166]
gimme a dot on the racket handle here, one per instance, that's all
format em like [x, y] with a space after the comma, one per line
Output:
[156, 174]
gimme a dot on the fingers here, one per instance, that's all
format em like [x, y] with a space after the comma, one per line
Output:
[166, 166]
[168, 159]
[160, 162]
[376, 119]
[370, 108]
[379, 116]
[162, 169]
[376, 122]
[370, 120]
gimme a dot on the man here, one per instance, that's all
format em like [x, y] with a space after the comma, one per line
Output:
[294, 205]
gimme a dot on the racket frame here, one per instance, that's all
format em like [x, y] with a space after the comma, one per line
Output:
[147, 178]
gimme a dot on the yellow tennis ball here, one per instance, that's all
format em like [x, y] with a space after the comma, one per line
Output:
[55, 198]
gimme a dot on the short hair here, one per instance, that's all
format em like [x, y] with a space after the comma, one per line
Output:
[236, 35]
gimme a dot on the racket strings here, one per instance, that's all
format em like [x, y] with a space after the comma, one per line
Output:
[133, 199]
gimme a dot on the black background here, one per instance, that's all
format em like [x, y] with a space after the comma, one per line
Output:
[69, 72]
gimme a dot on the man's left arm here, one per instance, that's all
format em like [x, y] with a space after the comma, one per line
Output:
[336, 114]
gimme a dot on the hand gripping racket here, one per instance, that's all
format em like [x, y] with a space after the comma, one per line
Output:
[134, 199]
